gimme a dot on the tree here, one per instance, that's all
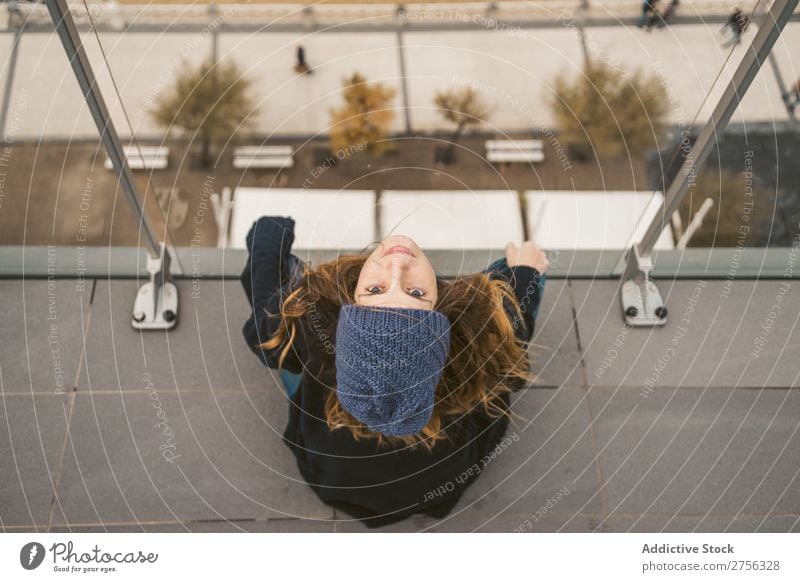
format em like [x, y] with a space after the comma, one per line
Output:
[461, 107]
[364, 119]
[211, 101]
[611, 111]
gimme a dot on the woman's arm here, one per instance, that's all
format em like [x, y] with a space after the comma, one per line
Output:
[527, 264]
[269, 244]
[527, 283]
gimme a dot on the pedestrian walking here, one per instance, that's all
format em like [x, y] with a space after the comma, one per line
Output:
[648, 8]
[737, 23]
[302, 66]
[792, 97]
[669, 13]
[650, 15]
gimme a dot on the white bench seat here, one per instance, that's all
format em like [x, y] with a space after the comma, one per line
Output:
[245, 157]
[143, 158]
[514, 151]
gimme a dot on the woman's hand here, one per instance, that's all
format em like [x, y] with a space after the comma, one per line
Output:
[527, 254]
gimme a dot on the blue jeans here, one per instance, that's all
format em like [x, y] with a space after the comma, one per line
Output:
[291, 381]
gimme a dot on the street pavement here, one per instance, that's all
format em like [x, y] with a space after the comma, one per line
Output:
[513, 68]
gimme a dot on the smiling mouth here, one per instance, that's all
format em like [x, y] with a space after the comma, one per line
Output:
[399, 249]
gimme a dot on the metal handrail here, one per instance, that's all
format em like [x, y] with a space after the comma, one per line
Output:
[156, 305]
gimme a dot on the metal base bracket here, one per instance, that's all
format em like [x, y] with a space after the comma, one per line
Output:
[642, 304]
[156, 305]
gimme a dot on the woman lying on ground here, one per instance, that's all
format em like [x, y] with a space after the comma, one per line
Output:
[398, 380]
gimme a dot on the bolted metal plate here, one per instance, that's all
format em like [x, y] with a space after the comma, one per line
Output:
[153, 313]
[642, 305]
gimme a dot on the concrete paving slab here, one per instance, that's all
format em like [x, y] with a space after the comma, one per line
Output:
[452, 219]
[232, 464]
[324, 219]
[763, 101]
[546, 523]
[550, 522]
[555, 351]
[508, 522]
[413, 524]
[704, 524]
[46, 91]
[196, 355]
[205, 351]
[26, 529]
[32, 430]
[299, 104]
[48, 318]
[553, 454]
[513, 71]
[221, 526]
[263, 526]
[700, 452]
[595, 523]
[688, 58]
[142, 64]
[786, 50]
[731, 465]
[719, 333]
[550, 458]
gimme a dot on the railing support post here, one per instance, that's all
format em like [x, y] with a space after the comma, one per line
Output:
[156, 305]
[642, 304]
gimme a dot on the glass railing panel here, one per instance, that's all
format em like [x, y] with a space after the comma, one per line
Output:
[516, 170]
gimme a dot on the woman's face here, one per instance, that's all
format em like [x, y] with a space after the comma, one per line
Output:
[397, 274]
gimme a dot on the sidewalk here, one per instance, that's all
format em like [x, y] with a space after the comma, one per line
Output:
[514, 72]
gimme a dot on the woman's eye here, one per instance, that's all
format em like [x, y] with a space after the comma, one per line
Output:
[374, 289]
[416, 293]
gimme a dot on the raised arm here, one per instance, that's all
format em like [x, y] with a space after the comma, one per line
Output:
[269, 244]
[527, 283]
[527, 265]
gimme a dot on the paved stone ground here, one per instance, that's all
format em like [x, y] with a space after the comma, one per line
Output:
[706, 440]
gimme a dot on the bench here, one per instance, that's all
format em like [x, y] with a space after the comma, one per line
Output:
[245, 157]
[510, 151]
[143, 158]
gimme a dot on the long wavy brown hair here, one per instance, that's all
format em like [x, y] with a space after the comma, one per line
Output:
[485, 359]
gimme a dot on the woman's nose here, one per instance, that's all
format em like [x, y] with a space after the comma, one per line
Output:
[398, 266]
[399, 261]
